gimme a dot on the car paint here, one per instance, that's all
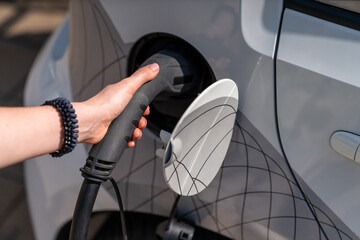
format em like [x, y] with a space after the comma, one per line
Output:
[318, 88]
[256, 195]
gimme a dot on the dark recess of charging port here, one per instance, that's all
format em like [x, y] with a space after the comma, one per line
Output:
[183, 80]
[140, 226]
[166, 110]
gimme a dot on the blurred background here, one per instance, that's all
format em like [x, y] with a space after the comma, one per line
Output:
[24, 27]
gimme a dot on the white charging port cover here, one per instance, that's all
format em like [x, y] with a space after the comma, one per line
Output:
[201, 138]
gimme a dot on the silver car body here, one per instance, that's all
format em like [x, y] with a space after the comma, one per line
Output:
[298, 81]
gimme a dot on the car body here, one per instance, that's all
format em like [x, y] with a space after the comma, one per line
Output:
[295, 64]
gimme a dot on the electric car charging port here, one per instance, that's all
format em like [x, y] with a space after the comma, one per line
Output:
[183, 75]
[167, 109]
[105, 226]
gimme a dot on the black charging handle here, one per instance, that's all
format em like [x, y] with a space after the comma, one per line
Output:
[176, 76]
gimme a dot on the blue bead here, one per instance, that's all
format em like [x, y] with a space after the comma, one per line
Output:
[68, 117]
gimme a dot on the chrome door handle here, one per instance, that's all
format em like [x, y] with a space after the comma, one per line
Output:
[346, 144]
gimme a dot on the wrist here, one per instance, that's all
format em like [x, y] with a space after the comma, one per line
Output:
[84, 121]
[90, 123]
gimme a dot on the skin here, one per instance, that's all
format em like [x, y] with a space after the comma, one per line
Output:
[28, 132]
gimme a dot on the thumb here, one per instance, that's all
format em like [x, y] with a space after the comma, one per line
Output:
[124, 90]
[138, 78]
[145, 74]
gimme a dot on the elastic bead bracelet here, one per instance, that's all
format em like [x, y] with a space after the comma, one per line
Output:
[69, 122]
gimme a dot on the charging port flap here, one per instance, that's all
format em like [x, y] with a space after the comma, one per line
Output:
[201, 138]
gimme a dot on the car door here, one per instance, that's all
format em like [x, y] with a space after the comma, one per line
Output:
[317, 84]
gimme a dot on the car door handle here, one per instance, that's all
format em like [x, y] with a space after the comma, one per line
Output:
[346, 144]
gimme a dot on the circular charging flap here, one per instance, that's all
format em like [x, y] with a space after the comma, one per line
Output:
[200, 140]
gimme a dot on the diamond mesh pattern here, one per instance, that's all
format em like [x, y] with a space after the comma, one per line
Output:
[254, 195]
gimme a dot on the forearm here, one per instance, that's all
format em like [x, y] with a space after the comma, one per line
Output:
[27, 132]
[32, 131]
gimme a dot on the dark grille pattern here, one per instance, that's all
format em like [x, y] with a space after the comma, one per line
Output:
[257, 197]
[101, 52]
[254, 195]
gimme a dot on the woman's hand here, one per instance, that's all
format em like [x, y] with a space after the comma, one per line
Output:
[96, 114]
[33, 131]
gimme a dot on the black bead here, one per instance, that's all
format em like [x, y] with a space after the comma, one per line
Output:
[68, 117]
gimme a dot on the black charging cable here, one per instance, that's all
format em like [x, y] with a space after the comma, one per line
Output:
[174, 207]
[121, 208]
[177, 75]
[84, 206]
[83, 210]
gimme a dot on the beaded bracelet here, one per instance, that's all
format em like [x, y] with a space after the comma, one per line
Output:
[69, 121]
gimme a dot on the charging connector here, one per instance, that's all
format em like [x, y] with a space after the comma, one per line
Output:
[177, 75]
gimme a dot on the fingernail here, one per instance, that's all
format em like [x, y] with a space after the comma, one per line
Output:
[154, 67]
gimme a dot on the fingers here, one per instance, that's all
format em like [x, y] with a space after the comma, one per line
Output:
[127, 87]
[131, 144]
[142, 123]
[144, 74]
[137, 134]
[113, 99]
[147, 111]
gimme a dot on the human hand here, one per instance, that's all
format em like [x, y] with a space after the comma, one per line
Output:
[96, 114]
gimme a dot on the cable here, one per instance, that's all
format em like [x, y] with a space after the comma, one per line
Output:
[176, 64]
[174, 206]
[122, 215]
[83, 210]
